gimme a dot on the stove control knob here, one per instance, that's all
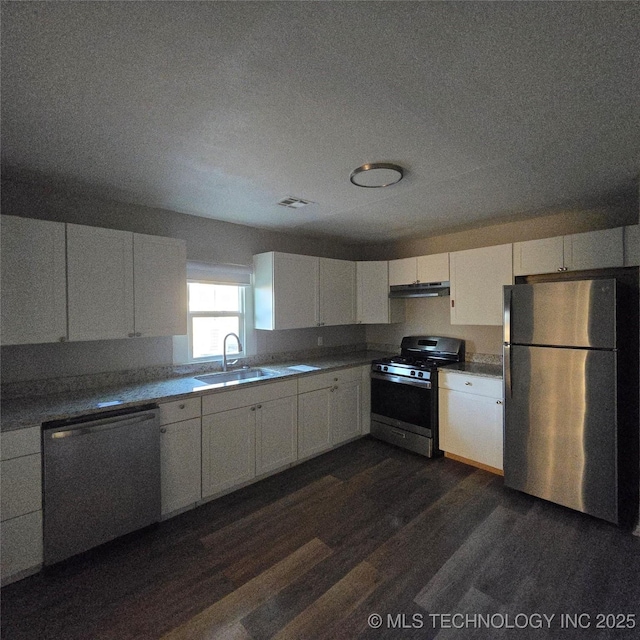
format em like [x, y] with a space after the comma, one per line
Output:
[378, 367]
[420, 374]
[386, 368]
[413, 373]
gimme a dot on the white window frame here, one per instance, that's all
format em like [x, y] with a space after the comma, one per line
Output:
[242, 315]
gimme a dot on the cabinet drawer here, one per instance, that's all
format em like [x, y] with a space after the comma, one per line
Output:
[21, 545]
[21, 442]
[21, 486]
[490, 387]
[227, 400]
[328, 379]
[179, 410]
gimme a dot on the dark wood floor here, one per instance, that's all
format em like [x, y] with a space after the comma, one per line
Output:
[314, 551]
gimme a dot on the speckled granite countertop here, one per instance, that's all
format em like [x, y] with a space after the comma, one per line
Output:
[475, 369]
[20, 413]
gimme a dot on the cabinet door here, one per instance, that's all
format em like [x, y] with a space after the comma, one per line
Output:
[21, 486]
[594, 249]
[295, 291]
[477, 278]
[434, 268]
[346, 411]
[160, 286]
[100, 283]
[314, 434]
[538, 256]
[372, 292]
[276, 434]
[366, 399]
[471, 426]
[228, 449]
[337, 292]
[21, 546]
[180, 464]
[34, 290]
[403, 271]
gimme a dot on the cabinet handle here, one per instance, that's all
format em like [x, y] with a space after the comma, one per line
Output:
[335, 379]
[468, 384]
[163, 430]
[62, 339]
[138, 334]
[563, 268]
[259, 406]
[253, 408]
[498, 401]
[181, 406]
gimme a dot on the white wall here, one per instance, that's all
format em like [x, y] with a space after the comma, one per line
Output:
[430, 316]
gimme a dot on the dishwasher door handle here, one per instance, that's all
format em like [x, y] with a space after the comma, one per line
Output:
[101, 425]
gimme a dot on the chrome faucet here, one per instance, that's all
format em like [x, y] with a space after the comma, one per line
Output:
[224, 350]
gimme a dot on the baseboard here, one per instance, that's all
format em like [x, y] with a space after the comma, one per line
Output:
[473, 463]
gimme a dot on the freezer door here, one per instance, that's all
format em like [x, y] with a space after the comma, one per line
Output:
[578, 313]
[561, 428]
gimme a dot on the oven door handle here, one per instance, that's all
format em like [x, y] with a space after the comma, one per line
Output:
[425, 384]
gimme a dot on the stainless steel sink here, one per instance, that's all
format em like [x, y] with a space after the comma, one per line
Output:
[239, 375]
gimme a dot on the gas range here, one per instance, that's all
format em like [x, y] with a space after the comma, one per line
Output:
[409, 367]
[420, 358]
[404, 392]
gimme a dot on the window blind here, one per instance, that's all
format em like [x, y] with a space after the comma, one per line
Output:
[237, 274]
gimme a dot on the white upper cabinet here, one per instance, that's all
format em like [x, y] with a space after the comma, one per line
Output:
[433, 268]
[538, 256]
[34, 301]
[477, 278]
[100, 283]
[160, 286]
[632, 246]
[336, 292]
[294, 291]
[576, 252]
[594, 249]
[372, 293]
[403, 271]
[285, 290]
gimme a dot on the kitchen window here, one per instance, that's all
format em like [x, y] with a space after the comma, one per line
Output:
[214, 311]
[217, 304]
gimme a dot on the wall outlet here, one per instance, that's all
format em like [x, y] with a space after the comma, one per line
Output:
[320, 341]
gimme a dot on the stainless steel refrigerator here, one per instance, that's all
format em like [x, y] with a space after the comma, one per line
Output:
[567, 437]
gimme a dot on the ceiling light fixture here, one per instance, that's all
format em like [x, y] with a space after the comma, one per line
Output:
[376, 174]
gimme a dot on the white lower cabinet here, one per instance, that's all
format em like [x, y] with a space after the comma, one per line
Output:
[21, 498]
[314, 434]
[329, 410]
[180, 454]
[246, 433]
[471, 417]
[346, 411]
[228, 449]
[276, 434]
[180, 460]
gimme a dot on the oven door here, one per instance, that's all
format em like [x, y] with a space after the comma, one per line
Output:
[407, 405]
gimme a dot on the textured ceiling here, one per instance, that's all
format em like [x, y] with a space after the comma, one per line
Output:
[220, 109]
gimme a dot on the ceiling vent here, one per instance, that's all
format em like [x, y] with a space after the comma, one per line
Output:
[293, 203]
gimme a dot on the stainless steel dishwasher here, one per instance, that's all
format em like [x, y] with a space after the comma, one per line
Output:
[101, 479]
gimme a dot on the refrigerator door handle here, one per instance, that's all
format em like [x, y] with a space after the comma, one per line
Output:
[508, 294]
[507, 371]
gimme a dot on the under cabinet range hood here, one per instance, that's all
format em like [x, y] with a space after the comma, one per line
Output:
[419, 290]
